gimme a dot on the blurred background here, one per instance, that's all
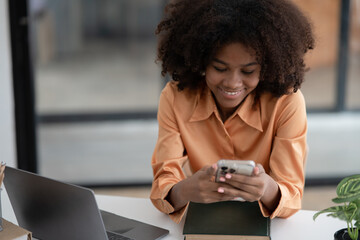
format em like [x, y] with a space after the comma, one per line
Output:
[96, 88]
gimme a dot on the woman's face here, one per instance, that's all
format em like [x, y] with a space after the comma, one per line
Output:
[231, 76]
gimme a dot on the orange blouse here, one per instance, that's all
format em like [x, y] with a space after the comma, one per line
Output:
[192, 132]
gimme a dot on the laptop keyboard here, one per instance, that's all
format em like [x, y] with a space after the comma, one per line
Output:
[115, 236]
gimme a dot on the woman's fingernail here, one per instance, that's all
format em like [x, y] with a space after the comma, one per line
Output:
[220, 190]
[239, 199]
[228, 175]
[222, 179]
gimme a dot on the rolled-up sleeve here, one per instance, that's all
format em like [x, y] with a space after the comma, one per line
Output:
[168, 158]
[288, 156]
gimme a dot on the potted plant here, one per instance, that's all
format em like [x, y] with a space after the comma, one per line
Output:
[348, 196]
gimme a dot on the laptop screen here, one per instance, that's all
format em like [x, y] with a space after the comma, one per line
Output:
[52, 209]
[55, 210]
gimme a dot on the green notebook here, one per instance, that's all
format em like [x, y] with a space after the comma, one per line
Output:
[226, 220]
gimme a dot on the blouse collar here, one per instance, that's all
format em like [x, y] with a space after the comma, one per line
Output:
[205, 106]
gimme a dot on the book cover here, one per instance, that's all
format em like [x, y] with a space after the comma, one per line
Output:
[13, 232]
[230, 220]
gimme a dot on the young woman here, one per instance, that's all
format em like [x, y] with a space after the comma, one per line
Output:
[236, 67]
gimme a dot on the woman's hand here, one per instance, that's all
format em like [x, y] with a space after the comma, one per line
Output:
[200, 187]
[258, 186]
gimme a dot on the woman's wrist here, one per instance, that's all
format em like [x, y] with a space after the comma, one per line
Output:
[272, 195]
[177, 195]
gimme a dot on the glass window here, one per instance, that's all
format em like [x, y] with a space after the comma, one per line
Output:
[332, 137]
[96, 57]
[353, 83]
[321, 78]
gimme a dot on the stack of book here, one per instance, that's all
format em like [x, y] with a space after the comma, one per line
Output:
[230, 220]
[8, 230]
[13, 232]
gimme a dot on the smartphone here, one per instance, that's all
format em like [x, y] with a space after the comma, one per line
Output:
[244, 167]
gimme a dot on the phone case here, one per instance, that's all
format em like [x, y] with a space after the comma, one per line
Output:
[244, 167]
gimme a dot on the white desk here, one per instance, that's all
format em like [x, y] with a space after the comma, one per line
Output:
[298, 227]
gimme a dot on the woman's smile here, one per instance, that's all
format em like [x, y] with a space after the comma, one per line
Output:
[230, 93]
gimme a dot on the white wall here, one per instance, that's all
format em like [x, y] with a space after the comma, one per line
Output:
[7, 124]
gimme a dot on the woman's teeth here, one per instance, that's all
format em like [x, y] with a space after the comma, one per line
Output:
[231, 93]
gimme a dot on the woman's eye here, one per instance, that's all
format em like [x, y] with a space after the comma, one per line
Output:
[219, 69]
[247, 72]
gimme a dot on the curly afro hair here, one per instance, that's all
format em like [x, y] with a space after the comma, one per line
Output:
[192, 31]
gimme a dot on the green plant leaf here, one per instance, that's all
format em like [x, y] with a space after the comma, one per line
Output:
[348, 193]
[343, 212]
[357, 224]
[348, 189]
[351, 211]
[357, 215]
[334, 212]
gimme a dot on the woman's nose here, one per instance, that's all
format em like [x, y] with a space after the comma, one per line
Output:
[234, 80]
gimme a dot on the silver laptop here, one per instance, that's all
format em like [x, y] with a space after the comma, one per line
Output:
[55, 210]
